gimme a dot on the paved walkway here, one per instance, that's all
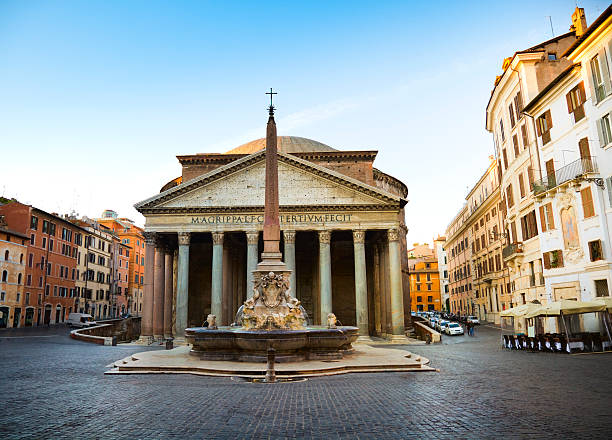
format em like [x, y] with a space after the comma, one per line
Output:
[54, 387]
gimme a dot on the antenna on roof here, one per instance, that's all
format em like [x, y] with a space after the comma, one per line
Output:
[551, 26]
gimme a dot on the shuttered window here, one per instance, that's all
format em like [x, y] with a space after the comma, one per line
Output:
[509, 196]
[575, 100]
[521, 185]
[587, 202]
[524, 136]
[515, 143]
[543, 219]
[505, 155]
[511, 113]
[546, 217]
[543, 126]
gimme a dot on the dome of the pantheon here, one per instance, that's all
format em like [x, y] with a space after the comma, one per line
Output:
[285, 144]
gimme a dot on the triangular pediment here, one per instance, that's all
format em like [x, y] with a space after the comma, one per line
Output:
[242, 184]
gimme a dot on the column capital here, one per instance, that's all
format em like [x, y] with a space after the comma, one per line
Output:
[150, 238]
[393, 234]
[325, 237]
[217, 237]
[289, 236]
[252, 237]
[359, 236]
[184, 238]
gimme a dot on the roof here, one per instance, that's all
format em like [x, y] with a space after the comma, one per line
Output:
[285, 144]
[598, 21]
[4, 228]
[549, 87]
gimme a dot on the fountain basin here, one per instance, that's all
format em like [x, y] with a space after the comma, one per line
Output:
[238, 344]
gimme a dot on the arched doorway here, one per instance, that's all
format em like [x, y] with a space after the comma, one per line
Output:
[29, 317]
[4, 314]
[47, 320]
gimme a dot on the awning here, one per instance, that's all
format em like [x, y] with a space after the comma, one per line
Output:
[606, 300]
[567, 307]
[520, 311]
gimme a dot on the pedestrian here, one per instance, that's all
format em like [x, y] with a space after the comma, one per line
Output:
[473, 328]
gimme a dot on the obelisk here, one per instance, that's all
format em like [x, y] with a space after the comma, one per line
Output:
[271, 257]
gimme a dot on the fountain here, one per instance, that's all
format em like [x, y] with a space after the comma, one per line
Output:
[271, 318]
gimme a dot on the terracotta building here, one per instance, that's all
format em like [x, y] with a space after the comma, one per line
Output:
[15, 308]
[132, 237]
[459, 253]
[51, 261]
[425, 285]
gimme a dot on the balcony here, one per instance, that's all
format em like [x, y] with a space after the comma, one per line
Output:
[580, 167]
[512, 251]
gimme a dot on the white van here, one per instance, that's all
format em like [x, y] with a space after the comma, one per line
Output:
[80, 320]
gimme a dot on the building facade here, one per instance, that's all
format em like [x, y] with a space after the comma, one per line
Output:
[343, 236]
[425, 285]
[440, 253]
[131, 236]
[51, 261]
[15, 308]
[459, 254]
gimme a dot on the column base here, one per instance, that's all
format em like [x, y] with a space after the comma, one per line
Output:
[145, 340]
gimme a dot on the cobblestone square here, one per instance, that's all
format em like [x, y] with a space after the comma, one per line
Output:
[54, 387]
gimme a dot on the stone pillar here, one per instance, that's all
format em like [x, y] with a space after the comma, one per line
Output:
[377, 297]
[395, 281]
[147, 300]
[182, 285]
[216, 290]
[325, 274]
[159, 286]
[168, 257]
[252, 241]
[290, 259]
[361, 287]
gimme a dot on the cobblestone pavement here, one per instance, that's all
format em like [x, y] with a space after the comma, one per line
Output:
[54, 387]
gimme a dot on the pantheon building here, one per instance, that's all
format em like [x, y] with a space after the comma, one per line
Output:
[343, 237]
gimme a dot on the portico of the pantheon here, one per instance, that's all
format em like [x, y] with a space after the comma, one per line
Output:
[343, 237]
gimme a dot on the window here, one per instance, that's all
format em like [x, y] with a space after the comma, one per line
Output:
[601, 288]
[19, 276]
[505, 156]
[575, 98]
[509, 197]
[430, 299]
[501, 130]
[598, 84]
[529, 226]
[51, 245]
[429, 287]
[27, 298]
[521, 185]
[418, 287]
[553, 259]
[428, 277]
[2, 296]
[515, 143]
[419, 299]
[543, 126]
[595, 250]
[524, 136]
[34, 222]
[4, 276]
[604, 130]
[511, 113]
[546, 217]
[587, 202]
[552, 56]
[52, 229]
[418, 277]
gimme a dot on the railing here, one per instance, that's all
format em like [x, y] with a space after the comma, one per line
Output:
[566, 173]
[512, 249]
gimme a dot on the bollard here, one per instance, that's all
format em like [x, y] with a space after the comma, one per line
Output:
[270, 374]
[114, 343]
[169, 344]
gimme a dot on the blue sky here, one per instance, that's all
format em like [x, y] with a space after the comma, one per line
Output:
[97, 98]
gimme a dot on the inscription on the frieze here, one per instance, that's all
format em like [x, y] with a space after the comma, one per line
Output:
[259, 218]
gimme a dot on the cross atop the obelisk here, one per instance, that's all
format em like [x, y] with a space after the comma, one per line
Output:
[271, 108]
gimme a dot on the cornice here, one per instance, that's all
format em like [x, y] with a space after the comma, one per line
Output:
[260, 209]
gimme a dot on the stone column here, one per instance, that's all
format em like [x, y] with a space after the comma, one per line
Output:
[159, 286]
[395, 278]
[182, 285]
[252, 241]
[217, 276]
[168, 257]
[325, 274]
[290, 259]
[147, 300]
[361, 287]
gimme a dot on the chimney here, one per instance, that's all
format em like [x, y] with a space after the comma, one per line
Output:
[579, 23]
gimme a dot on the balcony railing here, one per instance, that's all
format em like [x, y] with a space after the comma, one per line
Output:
[512, 249]
[571, 171]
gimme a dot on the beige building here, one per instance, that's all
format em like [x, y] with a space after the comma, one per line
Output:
[15, 310]
[343, 236]
[515, 135]
[490, 274]
[459, 253]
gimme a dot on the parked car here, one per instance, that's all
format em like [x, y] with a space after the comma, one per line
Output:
[474, 320]
[454, 329]
[441, 326]
[80, 320]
